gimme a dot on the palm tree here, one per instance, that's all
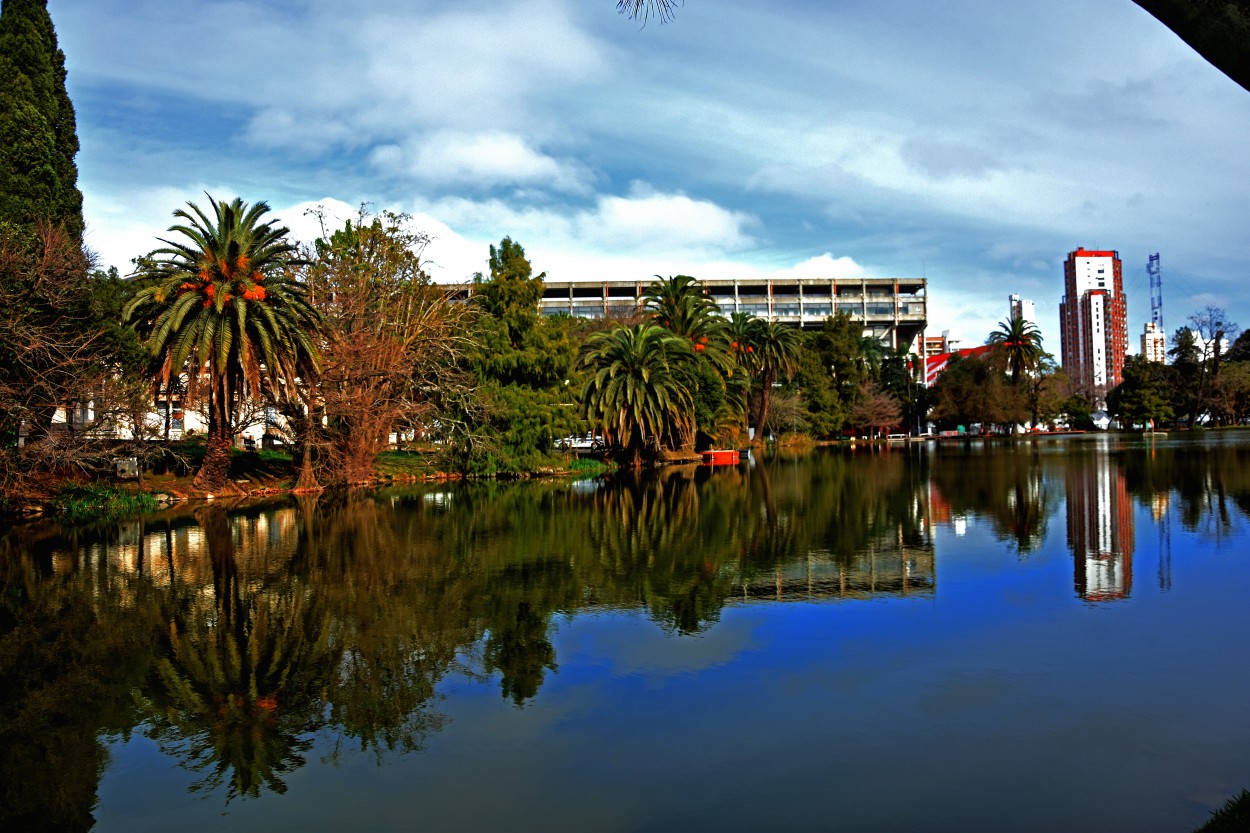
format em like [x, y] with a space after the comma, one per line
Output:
[636, 393]
[776, 354]
[743, 334]
[679, 304]
[870, 353]
[222, 302]
[1020, 343]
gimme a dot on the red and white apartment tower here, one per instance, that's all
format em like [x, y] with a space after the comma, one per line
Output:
[1093, 322]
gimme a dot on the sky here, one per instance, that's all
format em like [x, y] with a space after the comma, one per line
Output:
[973, 143]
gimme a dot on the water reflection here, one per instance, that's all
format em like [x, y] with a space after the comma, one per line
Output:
[1100, 529]
[1009, 489]
[237, 640]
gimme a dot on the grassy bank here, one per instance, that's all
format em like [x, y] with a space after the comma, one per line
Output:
[81, 502]
[170, 469]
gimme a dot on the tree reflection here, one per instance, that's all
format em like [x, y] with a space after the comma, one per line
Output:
[520, 652]
[1008, 488]
[1209, 483]
[397, 624]
[71, 650]
[237, 686]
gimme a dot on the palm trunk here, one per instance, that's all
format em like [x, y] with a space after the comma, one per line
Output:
[765, 393]
[214, 472]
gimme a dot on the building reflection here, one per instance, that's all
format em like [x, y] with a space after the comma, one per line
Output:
[1100, 530]
[1160, 509]
[176, 548]
[886, 568]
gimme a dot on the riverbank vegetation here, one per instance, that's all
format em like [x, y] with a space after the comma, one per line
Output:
[341, 348]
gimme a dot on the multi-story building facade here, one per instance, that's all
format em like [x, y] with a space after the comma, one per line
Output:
[891, 309]
[1093, 319]
[1154, 343]
[1022, 309]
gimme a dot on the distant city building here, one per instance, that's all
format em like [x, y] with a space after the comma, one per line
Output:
[1023, 309]
[1154, 343]
[935, 345]
[934, 364]
[1093, 322]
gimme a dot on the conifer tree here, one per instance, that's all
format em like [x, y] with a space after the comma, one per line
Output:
[38, 175]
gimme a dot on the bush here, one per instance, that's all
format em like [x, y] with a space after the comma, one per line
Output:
[588, 467]
[78, 503]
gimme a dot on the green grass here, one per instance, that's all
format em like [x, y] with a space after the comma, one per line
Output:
[79, 503]
[589, 467]
[270, 457]
[404, 463]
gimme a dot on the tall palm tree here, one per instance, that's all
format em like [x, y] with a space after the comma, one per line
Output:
[1020, 343]
[743, 334]
[776, 355]
[221, 302]
[636, 391]
[679, 304]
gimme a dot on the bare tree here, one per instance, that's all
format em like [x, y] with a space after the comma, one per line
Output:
[60, 349]
[394, 343]
[876, 409]
[1213, 329]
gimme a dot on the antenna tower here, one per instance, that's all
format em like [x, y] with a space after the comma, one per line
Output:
[1156, 290]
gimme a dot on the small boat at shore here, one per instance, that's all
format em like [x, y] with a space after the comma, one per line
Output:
[721, 457]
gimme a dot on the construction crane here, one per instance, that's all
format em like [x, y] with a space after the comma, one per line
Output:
[1156, 290]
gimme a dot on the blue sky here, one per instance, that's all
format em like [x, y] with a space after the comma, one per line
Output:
[974, 143]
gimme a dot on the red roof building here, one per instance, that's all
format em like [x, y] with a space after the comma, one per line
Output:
[1093, 319]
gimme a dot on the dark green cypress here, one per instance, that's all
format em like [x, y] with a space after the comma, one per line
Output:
[38, 131]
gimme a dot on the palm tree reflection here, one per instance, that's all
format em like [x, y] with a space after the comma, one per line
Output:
[238, 685]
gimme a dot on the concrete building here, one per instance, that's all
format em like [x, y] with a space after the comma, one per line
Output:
[935, 345]
[1022, 309]
[891, 309]
[1093, 322]
[1154, 343]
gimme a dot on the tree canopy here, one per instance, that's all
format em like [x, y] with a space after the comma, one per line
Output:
[221, 301]
[38, 175]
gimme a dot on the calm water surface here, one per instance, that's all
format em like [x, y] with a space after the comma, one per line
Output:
[1047, 636]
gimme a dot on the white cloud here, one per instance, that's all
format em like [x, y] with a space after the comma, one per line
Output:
[663, 222]
[824, 266]
[893, 133]
[482, 161]
[317, 76]
[644, 221]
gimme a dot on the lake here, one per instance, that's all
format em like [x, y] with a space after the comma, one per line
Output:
[1045, 635]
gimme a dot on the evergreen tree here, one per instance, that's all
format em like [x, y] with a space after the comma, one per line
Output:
[1141, 399]
[1240, 349]
[38, 175]
[521, 362]
[1184, 395]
